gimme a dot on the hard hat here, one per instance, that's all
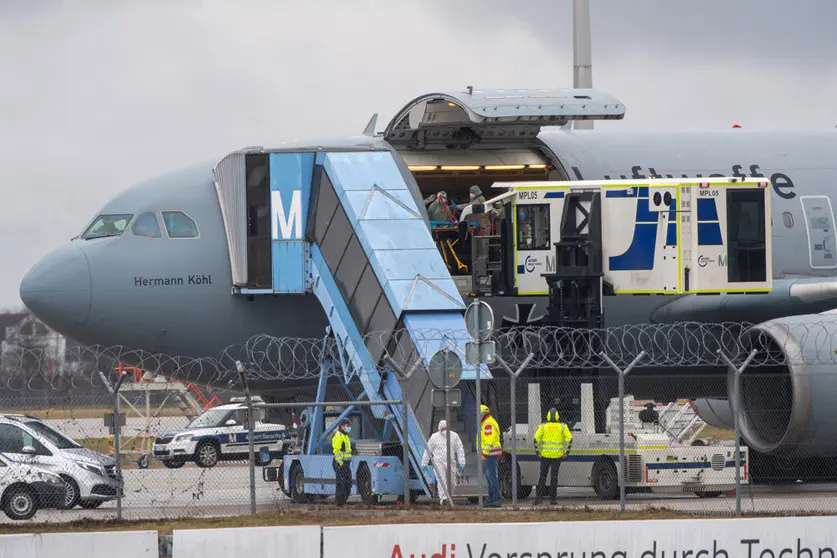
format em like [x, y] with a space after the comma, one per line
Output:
[552, 415]
[484, 409]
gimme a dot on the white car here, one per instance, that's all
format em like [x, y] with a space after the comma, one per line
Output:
[91, 478]
[220, 434]
[24, 489]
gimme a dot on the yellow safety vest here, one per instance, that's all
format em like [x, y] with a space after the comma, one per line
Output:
[491, 445]
[552, 439]
[341, 447]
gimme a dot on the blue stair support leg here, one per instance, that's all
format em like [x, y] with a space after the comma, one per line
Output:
[317, 421]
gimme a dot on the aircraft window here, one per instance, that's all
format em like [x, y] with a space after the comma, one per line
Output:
[533, 227]
[107, 225]
[147, 225]
[787, 219]
[180, 225]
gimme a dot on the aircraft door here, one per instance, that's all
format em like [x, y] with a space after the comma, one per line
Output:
[819, 226]
[259, 254]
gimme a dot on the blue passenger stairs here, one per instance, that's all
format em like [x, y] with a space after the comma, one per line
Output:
[347, 229]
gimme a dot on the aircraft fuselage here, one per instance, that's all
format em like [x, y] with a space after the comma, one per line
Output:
[173, 295]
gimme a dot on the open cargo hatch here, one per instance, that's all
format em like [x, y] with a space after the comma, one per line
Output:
[452, 141]
[462, 119]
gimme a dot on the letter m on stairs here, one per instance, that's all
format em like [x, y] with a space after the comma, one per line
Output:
[289, 223]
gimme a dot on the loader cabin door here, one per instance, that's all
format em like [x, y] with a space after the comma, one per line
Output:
[535, 254]
[455, 140]
[746, 236]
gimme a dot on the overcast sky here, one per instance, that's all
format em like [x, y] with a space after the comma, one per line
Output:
[96, 95]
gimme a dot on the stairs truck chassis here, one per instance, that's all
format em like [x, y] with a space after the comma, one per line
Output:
[653, 462]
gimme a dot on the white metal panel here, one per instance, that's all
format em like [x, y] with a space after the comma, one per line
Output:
[296, 542]
[125, 544]
[231, 186]
[794, 537]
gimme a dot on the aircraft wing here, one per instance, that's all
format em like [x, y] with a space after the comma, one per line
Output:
[789, 297]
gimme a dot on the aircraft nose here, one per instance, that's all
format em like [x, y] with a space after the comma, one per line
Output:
[57, 289]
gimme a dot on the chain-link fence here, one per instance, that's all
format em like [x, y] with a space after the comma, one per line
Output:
[184, 446]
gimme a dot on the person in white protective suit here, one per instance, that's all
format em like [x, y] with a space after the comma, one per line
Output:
[436, 453]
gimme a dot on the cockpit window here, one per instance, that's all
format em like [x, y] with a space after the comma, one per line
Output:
[107, 225]
[180, 225]
[147, 225]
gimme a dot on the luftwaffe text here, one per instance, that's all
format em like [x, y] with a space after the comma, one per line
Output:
[172, 281]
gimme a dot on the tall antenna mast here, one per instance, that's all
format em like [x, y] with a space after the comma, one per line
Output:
[582, 55]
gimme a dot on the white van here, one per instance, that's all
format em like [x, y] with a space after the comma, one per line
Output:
[24, 489]
[91, 478]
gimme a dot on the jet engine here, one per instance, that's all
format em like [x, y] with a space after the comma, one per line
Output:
[789, 393]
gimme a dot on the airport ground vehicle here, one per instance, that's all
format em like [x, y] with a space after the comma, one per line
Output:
[91, 478]
[25, 488]
[220, 434]
[654, 461]
[360, 237]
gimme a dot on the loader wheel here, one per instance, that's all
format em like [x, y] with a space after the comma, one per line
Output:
[523, 492]
[280, 473]
[298, 494]
[605, 479]
[414, 496]
[364, 486]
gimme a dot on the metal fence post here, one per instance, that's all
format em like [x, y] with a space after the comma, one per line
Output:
[117, 428]
[478, 341]
[242, 376]
[405, 443]
[736, 394]
[622, 374]
[405, 431]
[514, 376]
[448, 483]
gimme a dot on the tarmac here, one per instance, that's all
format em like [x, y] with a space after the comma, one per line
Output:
[78, 429]
[224, 491]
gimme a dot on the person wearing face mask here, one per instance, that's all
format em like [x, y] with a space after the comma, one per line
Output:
[483, 220]
[439, 210]
[341, 446]
[476, 195]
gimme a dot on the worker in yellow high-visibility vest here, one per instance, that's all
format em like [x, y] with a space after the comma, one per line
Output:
[553, 441]
[341, 446]
[491, 451]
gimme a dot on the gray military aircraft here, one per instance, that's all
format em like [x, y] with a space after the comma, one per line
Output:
[154, 269]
